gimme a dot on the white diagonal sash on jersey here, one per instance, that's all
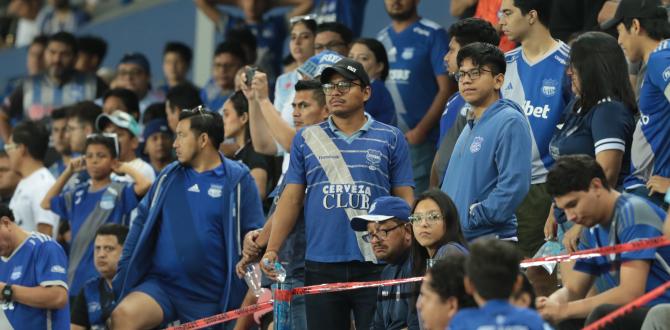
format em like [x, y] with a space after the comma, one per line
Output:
[4, 321]
[337, 172]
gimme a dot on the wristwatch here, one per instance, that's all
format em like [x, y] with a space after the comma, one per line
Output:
[7, 293]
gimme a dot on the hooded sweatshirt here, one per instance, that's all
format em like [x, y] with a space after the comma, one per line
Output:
[489, 172]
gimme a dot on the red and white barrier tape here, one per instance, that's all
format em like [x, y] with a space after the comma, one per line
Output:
[597, 252]
[223, 317]
[637, 303]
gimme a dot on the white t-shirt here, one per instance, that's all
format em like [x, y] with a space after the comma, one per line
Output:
[139, 165]
[26, 201]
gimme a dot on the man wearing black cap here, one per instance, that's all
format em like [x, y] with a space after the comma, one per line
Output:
[337, 169]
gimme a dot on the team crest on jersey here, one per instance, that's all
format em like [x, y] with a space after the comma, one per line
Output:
[16, 273]
[58, 269]
[214, 191]
[374, 157]
[107, 202]
[93, 307]
[476, 144]
[549, 87]
[666, 74]
[408, 53]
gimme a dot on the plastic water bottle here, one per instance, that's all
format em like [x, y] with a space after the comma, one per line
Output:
[281, 293]
[281, 272]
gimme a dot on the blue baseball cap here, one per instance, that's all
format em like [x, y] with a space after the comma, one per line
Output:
[154, 126]
[382, 209]
[313, 67]
[138, 59]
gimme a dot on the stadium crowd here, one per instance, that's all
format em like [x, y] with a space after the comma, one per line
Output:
[528, 128]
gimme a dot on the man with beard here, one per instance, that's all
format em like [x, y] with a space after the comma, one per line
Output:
[59, 86]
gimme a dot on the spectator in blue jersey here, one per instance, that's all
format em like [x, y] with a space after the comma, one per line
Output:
[61, 143]
[180, 97]
[443, 292]
[417, 80]
[134, 73]
[642, 26]
[371, 53]
[60, 16]
[32, 277]
[228, 59]
[177, 59]
[333, 36]
[178, 262]
[158, 139]
[121, 99]
[8, 179]
[536, 79]
[491, 277]
[60, 85]
[93, 203]
[453, 120]
[91, 54]
[580, 187]
[347, 162]
[270, 30]
[95, 301]
[347, 12]
[486, 195]
[387, 228]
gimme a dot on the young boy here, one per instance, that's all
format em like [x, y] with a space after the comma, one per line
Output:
[94, 203]
[492, 276]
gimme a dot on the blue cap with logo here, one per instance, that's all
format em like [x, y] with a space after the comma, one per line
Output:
[313, 67]
[382, 209]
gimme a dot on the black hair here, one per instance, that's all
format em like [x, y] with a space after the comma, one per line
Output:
[599, 62]
[315, 87]
[34, 136]
[241, 106]
[657, 27]
[40, 39]
[5, 211]
[105, 141]
[542, 7]
[60, 113]
[128, 98]
[310, 24]
[86, 112]
[492, 267]
[377, 48]
[526, 287]
[345, 33]
[447, 279]
[154, 111]
[231, 48]
[120, 231]
[183, 96]
[93, 45]
[207, 122]
[247, 40]
[483, 54]
[470, 30]
[65, 38]
[180, 49]
[574, 173]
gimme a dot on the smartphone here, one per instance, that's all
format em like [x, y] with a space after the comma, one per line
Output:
[251, 71]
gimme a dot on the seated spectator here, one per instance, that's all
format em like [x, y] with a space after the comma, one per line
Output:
[228, 59]
[372, 55]
[333, 36]
[58, 78]
[34, 65]
[347, 12]
[158, 144]
[134, 73]
[443, 292]
[121, 99]
[177, 59]
[60, 16]
[61, 143]
[236, 126]
[180, 97]
[387, 229]
[580, 187]
[94, 203]
[9, 179]
[26, 28]
[128, 133]
[92, 52]
[26, 148]
[95, 301]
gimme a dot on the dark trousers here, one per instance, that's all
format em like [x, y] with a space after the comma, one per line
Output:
[333, 310]
[632, 320]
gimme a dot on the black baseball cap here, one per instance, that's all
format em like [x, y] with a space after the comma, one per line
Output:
[633, 9]
[349, 69]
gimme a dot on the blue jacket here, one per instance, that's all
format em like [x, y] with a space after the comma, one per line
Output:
[245, 213]
[489, 172]
[394, 310]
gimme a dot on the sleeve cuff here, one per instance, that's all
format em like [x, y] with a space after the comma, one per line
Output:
[54, 283]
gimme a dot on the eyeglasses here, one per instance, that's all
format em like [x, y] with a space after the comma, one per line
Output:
[430, 218]
[381, 234]
[473, 74]
[112, 136]
[330, 46]
[342, 87]
[296, 19]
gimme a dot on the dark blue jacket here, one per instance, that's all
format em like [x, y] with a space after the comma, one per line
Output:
[393, 302]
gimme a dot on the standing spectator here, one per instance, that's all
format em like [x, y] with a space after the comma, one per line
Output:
[347, 12]
[37, 297]
[97, 293]
[34, 65]
[158, 140]
[418, 80]
[497, 133]
[228, 59]
[342, 185]
[134, 73]
[26, 29]
[60, 16]
[61, 143]
[59, 86]
[387, 229]
[9, 179]
[121, 99]
[333, 36]
[26, 148]
[371, 53]
[191, 226]
[536, 80]
[92, 52]
[177, 59]
[180, 97]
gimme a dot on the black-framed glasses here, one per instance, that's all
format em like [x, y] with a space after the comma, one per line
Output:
[330, 46]
[473, 74]
[381, 234]
[113, 136]
[431, 218]
[342, 87]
